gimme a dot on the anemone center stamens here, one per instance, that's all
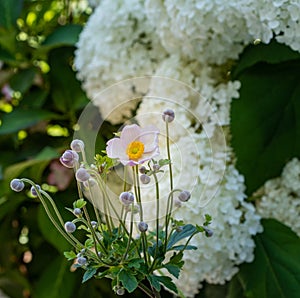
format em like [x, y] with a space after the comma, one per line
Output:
[135, 150]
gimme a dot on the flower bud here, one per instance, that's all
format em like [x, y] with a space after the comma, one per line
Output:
[142, 226]
[156, 167]
[33, 191]
[184, 196]
[82, 175]
[168, 115]
[208, 232]
[177, 203]
[77, 211]
[145, 179]
[81, 261]
[94, 224]
[17, 185]
[120, 291]
[70, 227]
[126, 198]
[142, 169]
[69, 158]
[77, 145]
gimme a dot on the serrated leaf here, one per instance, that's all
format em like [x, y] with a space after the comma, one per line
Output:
[89, 273]
[128, 280]
[265, 122]
[79, 203]
[186, 231]
[154, 282]
[167, 282]
[173, 269]
[275, 271]
[70, 255]
[22, 80]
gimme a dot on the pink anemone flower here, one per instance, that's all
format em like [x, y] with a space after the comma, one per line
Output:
[135, 145]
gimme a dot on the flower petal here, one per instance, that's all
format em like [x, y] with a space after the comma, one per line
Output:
[149, 137]
[114, 149]
[129, 134]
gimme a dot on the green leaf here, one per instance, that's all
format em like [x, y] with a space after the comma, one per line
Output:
[20, 119]
[63, 36]
[265, 122]
[167, 282]
[275, 271]
[128, 280]
[9, 12]
[154, 282]
[23, 80]
[272, 53]
[173, 269]
[186, 231]
[70, 255]
[56, 280]
[79, 203]
[188, 247]
[89, 273]
[235, 289]
[67, 93]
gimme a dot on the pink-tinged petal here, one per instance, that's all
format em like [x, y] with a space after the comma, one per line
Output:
[129, 134]
[150, 155]
[129, 162]
[114, 149]
[149, 137]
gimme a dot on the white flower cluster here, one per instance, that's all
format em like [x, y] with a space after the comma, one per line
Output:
[281, 197]
[117, 42]
[214, 31]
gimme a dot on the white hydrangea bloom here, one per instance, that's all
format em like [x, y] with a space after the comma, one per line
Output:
[117, 42]
[215, 31]
[281, 197]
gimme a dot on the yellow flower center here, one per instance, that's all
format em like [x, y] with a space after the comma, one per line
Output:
[135, 150]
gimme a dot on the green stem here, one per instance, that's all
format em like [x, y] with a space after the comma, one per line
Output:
[157, 212]
[146, 290]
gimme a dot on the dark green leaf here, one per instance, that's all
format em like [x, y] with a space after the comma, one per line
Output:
[128, 280]
[186, 231]
[265, 122]
[173, 269]
[66, 92]
[22, 81]
[235, 289]
[63, 36]
[89, 273]
[56, 281]
[275, 271]
[20, 119]
[9, 12]
[167, 282]
[154, 282]
[272, 53]
[188, 247]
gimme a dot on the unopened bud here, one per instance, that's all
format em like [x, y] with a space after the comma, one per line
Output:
[81, 261]
[184, 196]
[142, 169]
[69, 158]
[142, 226]
[168, 115]
[70, 227]
[33, 190]
[145, 179]
[208, 232]
[126, 198]
[77, 211]
[17, 185]
[77, 145]
[82, 175]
